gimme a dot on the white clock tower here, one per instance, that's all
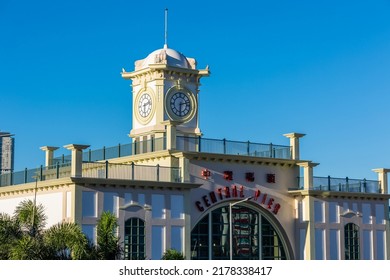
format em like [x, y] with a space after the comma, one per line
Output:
[165, 88]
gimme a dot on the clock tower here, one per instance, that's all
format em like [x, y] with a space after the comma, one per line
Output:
[165, 89]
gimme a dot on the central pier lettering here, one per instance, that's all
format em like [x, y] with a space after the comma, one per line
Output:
[224, 193]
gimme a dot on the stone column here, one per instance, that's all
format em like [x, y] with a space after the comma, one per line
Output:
[307, 173]
[184, 169]
[49, 154]
[382, 178]
[294, 143]
[170, 134]
[77, 159]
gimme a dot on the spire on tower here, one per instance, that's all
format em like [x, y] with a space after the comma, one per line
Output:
[166, 29]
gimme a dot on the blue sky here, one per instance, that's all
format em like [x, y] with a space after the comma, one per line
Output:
[314, 67]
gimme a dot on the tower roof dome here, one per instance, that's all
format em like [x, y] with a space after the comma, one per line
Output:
[167, 56]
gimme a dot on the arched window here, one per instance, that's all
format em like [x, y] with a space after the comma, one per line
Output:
[254, 237]
[351, 239]
[134, 248]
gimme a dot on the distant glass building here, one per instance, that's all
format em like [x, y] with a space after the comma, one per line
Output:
[7, 143]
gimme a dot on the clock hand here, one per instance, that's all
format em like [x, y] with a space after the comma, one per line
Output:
[146, 104]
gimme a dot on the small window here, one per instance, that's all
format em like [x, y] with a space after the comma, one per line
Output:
[89, 204]
[319, 239]
[128, 198]
[135, 247]
[318, 211]
[90, 232]
[366, 213]
[158, 209]
[177, 207]
[351, 241]
[333, 212]
[141, 199]
[380, 245]
[302, 243]
[110, 202]
[158, 242]
[367, 244]
[380, 214]
[177, 238]
[334, 238]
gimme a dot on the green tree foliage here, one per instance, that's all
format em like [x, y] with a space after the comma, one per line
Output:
[31, 217]
[172, 254]
[9, 233]
[24, 237]
[66, 241]
[108, 246]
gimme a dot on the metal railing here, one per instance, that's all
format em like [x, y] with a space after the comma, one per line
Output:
[105, 153]
[41, 173]
[131, 172]
[184, 143]
[94, 170]
[199, 144]
[343, 185]
[61, 164]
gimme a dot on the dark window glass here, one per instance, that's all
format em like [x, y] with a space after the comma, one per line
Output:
[134, 248]
[351, 239]
[251, 232]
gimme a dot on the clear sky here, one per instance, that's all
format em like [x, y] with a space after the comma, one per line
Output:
[314, 67]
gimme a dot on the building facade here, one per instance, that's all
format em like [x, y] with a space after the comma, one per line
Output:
[208, 198]
[7, 143]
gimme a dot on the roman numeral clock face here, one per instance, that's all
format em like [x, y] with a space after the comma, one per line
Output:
[180, 104]
[145, 105]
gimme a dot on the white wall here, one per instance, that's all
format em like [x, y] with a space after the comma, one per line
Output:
[52, 202]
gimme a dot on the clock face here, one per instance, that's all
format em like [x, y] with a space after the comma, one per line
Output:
[145, 105]
[180, 104]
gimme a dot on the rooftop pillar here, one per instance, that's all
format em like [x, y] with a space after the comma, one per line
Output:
[382, 178]
[294, 143]
[77, 159]
[307, 174]
[49, 154]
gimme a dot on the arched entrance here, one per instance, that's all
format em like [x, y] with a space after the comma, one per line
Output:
[255, 237]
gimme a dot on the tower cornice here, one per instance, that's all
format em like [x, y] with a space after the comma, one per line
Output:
[169, 69]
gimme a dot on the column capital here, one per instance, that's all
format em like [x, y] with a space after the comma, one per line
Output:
[76, 147]
[170, 122]
[49, 148]
[294, 135]
[381, 170]
[307, 164]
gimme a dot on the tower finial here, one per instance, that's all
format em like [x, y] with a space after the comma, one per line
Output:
[166, 29]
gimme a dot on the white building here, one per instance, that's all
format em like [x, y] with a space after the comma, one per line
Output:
[173, 188]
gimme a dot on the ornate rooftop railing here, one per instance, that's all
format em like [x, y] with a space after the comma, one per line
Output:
[343, 185]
